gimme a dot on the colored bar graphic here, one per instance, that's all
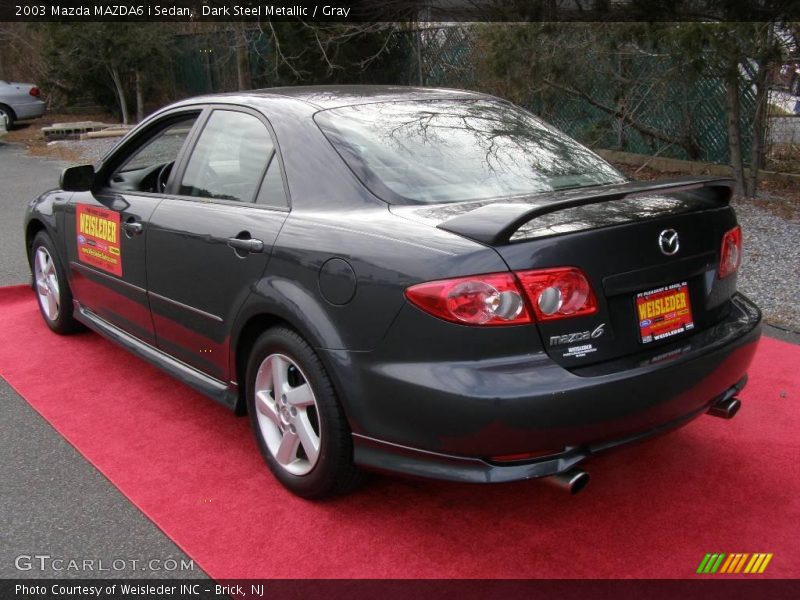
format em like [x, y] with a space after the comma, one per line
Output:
[734, 563]
[753, 562]
[757, 564]
[710, 563]
[737, 562]
[716, 564]
[703, 563]
[767, 558]
[727, 564]
[741, 562]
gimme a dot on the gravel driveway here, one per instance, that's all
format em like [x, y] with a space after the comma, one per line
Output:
[90, 151]
[770, 271]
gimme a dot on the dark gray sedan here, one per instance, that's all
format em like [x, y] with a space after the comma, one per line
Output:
[424, 281]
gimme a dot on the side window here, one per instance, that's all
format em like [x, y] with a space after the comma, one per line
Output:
[229, 159]
[147, 168]
[271, 192]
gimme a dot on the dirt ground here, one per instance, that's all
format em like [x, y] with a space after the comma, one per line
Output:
[29, 134]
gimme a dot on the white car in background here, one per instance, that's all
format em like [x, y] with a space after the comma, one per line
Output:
[19, 102]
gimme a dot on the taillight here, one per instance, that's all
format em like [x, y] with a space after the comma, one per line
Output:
[730, 255]
[34, 91]
[558, 293]
[499, 298]
[480, 300]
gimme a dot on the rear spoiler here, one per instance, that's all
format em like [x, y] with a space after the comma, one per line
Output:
[495, 223]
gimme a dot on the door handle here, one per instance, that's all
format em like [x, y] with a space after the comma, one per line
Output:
[133, 227]
[251, 245]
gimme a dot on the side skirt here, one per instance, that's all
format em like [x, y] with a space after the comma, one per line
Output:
[225, 394]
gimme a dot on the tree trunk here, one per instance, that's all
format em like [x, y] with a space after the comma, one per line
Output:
[418, 39]
[123, 104]
[759, 128]
[622, 101]
[139, 98]
[734, 130]
[242, 59]
[758, 134]
[209, 75]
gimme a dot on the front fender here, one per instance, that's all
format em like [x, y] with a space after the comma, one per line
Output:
[46, 212]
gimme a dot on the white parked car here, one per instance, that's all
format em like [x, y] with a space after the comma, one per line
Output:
[19, 102]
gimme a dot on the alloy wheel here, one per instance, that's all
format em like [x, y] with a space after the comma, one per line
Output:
[287, 414]
[47, 283]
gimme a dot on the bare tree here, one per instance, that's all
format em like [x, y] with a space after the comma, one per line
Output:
[577, 60]
[305, 50]
[595, 64]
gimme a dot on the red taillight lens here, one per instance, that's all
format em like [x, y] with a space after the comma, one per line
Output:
[497, 299]
[558, 293]
[480, 300]
[730, 255]
[34, 91]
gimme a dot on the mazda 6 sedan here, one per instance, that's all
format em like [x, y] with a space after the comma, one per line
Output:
[420, 281]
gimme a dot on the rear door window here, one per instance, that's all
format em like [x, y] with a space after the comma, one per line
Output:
[229, 159]
[271, 192]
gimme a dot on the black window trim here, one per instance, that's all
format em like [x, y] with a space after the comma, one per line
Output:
[180, 165]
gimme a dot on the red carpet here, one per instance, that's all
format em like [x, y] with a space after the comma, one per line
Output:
[652, 510]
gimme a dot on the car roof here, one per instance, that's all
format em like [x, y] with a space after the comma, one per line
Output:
[333, 96]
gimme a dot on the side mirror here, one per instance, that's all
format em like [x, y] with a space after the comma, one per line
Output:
[77, 179]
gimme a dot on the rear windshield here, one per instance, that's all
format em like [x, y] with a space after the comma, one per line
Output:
[455, 150]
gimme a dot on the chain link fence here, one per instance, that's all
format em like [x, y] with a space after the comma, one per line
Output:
[782, 147]
[656, 112]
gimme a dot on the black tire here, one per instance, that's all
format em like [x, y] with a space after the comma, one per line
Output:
[333, 472]
[63, 323]
[9, 116]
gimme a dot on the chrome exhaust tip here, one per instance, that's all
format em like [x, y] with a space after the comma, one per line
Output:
[725, 409]
[572, 481]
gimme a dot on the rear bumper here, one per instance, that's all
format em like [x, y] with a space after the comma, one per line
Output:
[384, 456]
[29, 110]
[446, 420]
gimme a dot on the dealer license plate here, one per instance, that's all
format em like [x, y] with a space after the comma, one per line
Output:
[664, 312]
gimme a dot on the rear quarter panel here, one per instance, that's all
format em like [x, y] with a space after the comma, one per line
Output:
[385, 254]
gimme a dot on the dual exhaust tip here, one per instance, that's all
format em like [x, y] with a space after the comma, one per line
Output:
[726, 408]
[572, 481]
[575, 480]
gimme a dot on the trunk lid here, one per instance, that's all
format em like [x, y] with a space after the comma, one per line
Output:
[612, 235]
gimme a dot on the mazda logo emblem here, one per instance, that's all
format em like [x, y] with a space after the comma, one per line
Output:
[668, 242]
